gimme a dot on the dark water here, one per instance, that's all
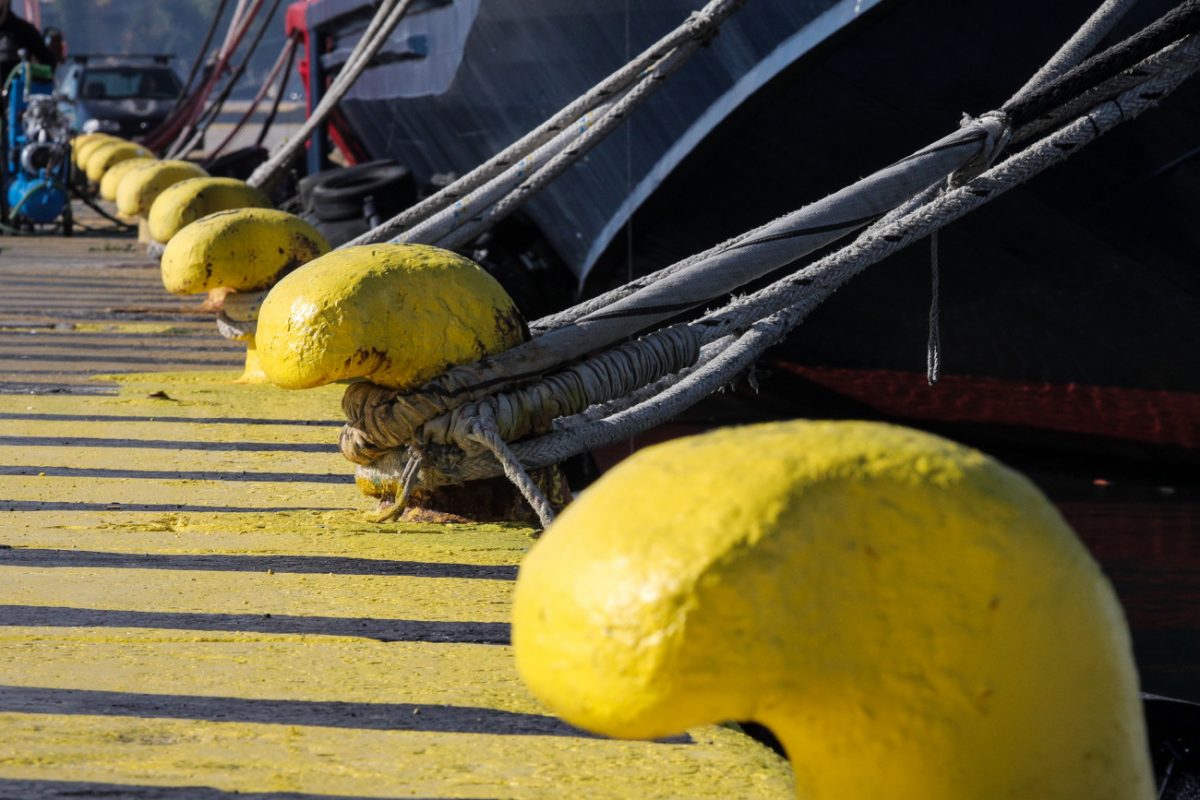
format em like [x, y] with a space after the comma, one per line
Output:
[1150, 550]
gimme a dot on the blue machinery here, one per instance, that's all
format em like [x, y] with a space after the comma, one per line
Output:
[35, 152]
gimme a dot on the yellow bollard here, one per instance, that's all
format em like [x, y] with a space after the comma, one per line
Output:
[911, 618]
[187, 201]
[394, 314]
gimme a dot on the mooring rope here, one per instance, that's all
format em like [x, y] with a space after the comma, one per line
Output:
[285, 75]
[201, 57]
[190, 139]
[468, 218]
[1171, 27]
[761, 319]
[239, 25]
[475, 202]
[764, 250]
[282, 66]
[699, 26]
[1078, 47]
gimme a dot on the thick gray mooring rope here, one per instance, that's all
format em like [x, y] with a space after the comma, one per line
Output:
[1078, 47]
[767, 248]
[786, 303]
[575, 143]
[751, 323]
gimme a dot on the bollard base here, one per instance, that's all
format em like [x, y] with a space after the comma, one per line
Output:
[490, 500]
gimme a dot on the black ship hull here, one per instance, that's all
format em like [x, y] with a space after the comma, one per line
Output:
[1069, 305]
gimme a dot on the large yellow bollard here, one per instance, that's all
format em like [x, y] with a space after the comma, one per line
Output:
[244, 249]
[139, 189]
[109, 154]
[187, 201]
[911, 618]
[395, 316]
[116, 173]
[87, 144]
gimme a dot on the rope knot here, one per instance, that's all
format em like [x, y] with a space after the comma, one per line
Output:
[706, 22]
[997, 134]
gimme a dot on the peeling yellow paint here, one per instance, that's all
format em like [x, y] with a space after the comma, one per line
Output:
[244, 249]
[394, 314]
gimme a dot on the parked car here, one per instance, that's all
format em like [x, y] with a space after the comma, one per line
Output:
[122, 95]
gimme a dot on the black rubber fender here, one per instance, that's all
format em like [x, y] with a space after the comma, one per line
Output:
[340, 196]
[238, 164]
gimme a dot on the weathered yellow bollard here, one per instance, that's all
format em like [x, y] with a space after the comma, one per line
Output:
[187, 201]
[911, 618]
[116, 173]
[394, 314]
[87, 144]
[244, 249]
[109, 154]
[138, 189]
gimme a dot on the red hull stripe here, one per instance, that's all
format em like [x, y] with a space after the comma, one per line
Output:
[1140, 415]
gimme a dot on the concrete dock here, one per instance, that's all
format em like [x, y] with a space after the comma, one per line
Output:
[192, 605]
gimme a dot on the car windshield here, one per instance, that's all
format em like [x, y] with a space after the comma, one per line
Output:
[122, 83]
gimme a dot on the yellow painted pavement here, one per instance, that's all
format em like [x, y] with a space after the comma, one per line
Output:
[192, 605]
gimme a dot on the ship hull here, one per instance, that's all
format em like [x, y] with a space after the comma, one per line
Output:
[1068, 305]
